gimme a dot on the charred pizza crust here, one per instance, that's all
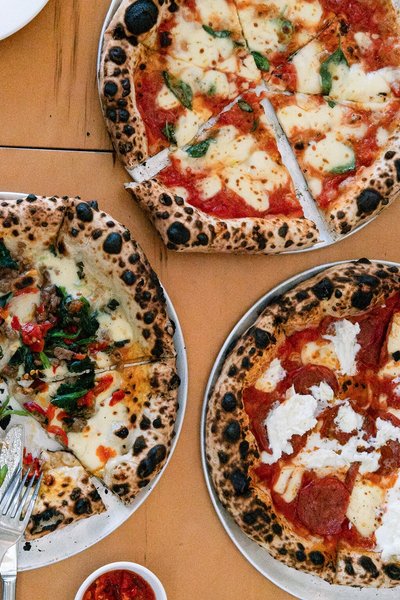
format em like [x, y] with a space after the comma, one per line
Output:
[376, 187]
[153, 408]
[186, 228]
[231, 449]
[66, 495]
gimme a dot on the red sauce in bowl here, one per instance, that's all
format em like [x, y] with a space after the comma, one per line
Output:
[120, 585]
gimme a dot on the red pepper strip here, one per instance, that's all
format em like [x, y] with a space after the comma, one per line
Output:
[97, 346]
[51, 411]
[117, 397]
[15, 323]
[33, 407]
[33, 334]
[27, 290]
[102, 385]
[4, 312]
[59, 432]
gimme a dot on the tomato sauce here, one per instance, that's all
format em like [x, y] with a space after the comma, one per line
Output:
[120, 585]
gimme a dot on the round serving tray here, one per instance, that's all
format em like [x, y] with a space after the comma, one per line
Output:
[153, 165]
[301, 585]
[80, 536]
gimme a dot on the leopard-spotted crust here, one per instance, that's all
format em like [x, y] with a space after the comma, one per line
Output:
[30, 225]
[66, 495]
[108, 252]
[374, 188]
[155, 404]
[186, 228]
[230, 446]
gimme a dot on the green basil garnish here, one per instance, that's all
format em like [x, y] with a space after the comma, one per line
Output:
[169, 132]
[344, 168]
[3, 473]
[262, 62]
[45, 361]
[180, 89]
[331, 103]
[284, 25]
[245, 106]
[6, 261]
[256, 123]
[336, 58]
[223, 33]
[200, 149]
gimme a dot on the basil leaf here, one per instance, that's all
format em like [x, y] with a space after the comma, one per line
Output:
[200, 149]
[256, 123]
[180, 89]
[262, 62]
[325, 72]
[284, 25]
[3, 473]
[169, 132]
[78, 366]
[6, 261]
[331, 103]
[212, 90]
[344, 168]
[68, 393]
[223, 33]
[245, 106]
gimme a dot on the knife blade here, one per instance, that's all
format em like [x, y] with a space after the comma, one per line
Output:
[11, 455]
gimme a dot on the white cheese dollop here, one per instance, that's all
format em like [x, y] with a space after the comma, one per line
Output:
[268, 381]
[388, 534]
[347, 420]
[345, 343]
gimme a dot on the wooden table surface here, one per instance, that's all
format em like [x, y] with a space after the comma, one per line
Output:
[53, 141]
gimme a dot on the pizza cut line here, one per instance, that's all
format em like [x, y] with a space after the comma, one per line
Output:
[168, 67]
[86, 351]
[303, 429]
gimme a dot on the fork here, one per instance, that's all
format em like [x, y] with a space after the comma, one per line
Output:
[16, 503]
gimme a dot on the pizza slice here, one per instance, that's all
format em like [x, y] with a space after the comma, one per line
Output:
[203, 34]
[160, 101]
[356, 58]
[275, 30]
[118, 424]
[348, 153]
[66, 495]
[229, 190]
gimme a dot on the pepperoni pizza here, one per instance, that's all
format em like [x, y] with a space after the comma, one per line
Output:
[303, 426]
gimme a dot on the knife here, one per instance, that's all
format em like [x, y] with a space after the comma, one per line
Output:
[11, 455]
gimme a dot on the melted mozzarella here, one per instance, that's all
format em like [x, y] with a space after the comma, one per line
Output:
[166, 99]
[289, 482]
[323, 393]
[393, 341]
[62, 270]
[353, 83]
[388, 534]
[345, 343]
[347, 420]
[363, 509]
[268, 381]
[329, 154]
[210, 186]
[307, 64]
[24, 306]
[320, 354]
[188, 125]
[116, 326]
[294, 416]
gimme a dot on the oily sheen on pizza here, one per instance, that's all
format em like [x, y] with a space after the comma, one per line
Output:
[169, 74]
[303, 426]
[86, 350]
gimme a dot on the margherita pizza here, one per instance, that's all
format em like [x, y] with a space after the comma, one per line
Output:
[170, 67]
[86, 349]
[303, 426]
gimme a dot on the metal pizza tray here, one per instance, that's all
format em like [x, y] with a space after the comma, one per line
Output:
[154, 164]
[80, 536]
[299, 584]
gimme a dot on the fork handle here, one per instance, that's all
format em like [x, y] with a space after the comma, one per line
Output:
[9, 587]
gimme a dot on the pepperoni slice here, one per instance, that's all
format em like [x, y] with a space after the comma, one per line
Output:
[390, 458]
[322, 505]
[305, 377]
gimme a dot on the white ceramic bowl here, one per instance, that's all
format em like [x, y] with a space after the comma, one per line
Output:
[151, 579]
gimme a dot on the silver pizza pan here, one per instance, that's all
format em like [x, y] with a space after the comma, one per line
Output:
[154, 164]
[79, 536]
[299, 584]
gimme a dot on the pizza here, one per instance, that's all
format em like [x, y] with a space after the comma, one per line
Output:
[172, 72]
[339, 146]
[223, 175]
[303, 426]
[87, 352]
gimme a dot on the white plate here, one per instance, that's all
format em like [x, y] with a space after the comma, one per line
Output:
[299, 584]
[79, 536]
[15, 14]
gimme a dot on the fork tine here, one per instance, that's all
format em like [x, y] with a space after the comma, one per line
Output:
[12, 485]
[18, 507]
[32, 501]
[16, 493]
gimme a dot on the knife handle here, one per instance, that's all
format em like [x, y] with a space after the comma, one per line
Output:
[9, 586]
